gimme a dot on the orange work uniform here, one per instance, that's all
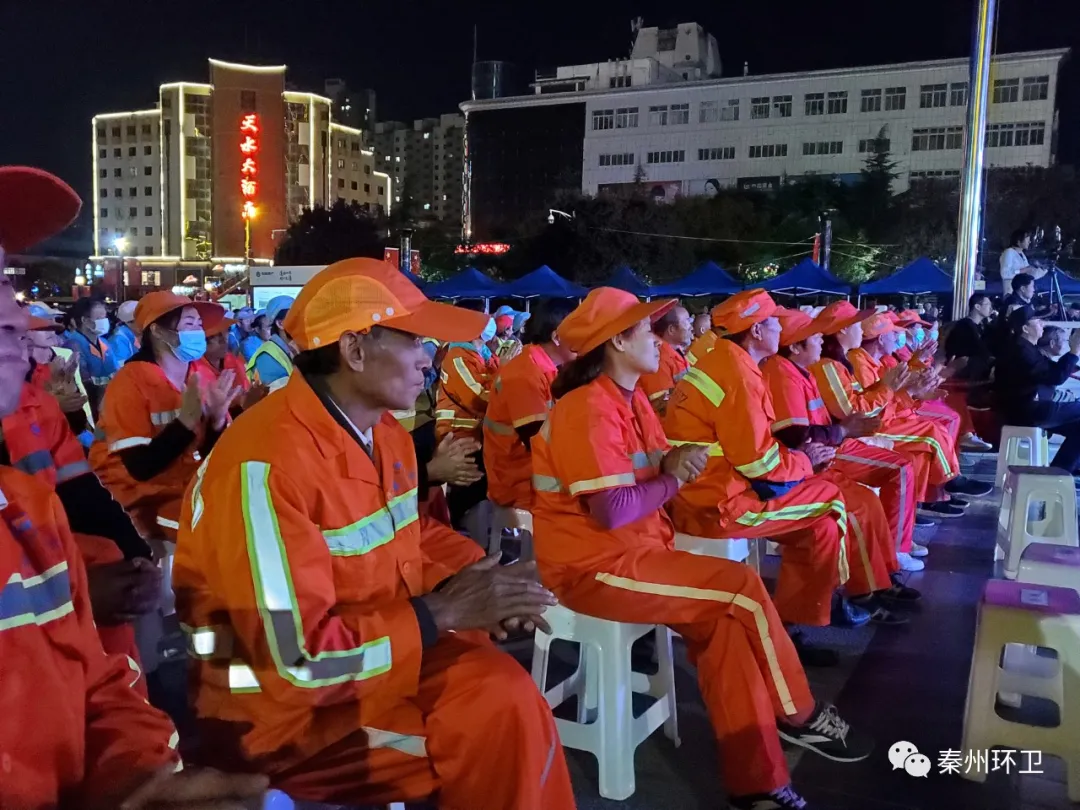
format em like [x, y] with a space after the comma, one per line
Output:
[753, 486]
[659, 384]
[203, 368]
[925, 443]
[465, 379]
[951, 411]
[139, 403]
[298, 556]
[75, 732]
[701, 347]
[797, 403]
[599, 437]
[520, 396]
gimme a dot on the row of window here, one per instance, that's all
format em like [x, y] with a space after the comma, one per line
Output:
[132, 212]
[148, 191]
[934, 174]
[1033, 88]
[131, 131]
[620, 159]
[133, 171]
[1031, 133]
[823, 148]
[354, 146]
[104, 153]
[356, 186]
[355, 166]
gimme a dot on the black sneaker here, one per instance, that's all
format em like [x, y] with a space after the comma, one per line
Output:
[827, 735]
[958, 502]
[923, 522]
[811, 655]
[879, 613]
[941, 510]
[899, 595]
[780, 799]
[967, 486]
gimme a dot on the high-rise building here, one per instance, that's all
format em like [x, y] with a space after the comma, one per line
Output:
[215, 172]
[667, 118]
[425, 160]
[354, 108]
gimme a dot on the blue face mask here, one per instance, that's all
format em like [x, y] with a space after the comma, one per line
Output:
[901, 340]
[485, 352]
[917, 338]
[489, 331]
[192, 345]
[934, 333]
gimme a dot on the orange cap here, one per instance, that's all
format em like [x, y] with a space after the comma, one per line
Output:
[910, 317]
[156, 305]
[354, 295]
[34, 205]
[795, 326]
[222, 326]
[840, 315]
[605, 313]
[878, 325]
[743, 310]
[36, 324]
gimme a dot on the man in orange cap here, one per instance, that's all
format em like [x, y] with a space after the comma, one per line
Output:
[75, 732]
[330, 620]
[674, 330]
[603, 471]
[801, 416]
[753, 486]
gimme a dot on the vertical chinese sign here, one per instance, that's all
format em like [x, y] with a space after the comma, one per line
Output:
[249, 173]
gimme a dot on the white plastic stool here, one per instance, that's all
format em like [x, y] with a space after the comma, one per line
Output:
[510, 517]
[1025, 446]
[736, 549]
[1026, 488]
[1037, 615]
[604, 684]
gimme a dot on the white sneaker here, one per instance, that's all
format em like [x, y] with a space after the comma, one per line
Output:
[909, 563]
[974, 443]
[918, 550]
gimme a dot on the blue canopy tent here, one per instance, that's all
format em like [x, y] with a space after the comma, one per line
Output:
[415, 279]
[1068, 284]
[918, 278]
[708, 279]
[807, 277]
[543, 282]
[626, 279]
[469, 283]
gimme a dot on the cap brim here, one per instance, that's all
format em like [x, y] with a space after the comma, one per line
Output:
[36, 324]
[444, 322]
[858, 317]
[34, 205]
[652, 310]
[806, 332]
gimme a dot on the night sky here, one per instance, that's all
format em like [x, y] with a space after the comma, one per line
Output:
[66, 60]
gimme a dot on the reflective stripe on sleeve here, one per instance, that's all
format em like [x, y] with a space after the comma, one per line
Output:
[280, 613]
[815, 404]
[603, 482]
[36, 600]
[528, 420]
[715, 450]
[546, 483]
[498, 427]
[837, 388]
[795, 420]
[706, 385]
[164, 417]
[467, 377]
[124, 444]
[764, 465]
[34, 462]
[377, 529]
[74, 470]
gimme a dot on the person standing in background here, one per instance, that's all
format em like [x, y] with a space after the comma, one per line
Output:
[272, 360]
[241, 329]
[260, 333]
[88, 326]
[123, 341]
[1014, 260]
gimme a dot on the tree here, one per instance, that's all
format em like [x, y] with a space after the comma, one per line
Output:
[326, 235]
[872, 197]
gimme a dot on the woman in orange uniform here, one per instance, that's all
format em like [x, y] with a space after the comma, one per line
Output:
[157, 425]
[602, 472]
[801, 416]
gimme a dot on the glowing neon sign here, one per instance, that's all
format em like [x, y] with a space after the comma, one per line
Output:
[249, 167]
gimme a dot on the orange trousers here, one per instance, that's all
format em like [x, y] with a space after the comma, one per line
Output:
[869, 544]
[956, 400]
[931, 450]
[808, 523]
[487, 741]
[893, 475]
[747, 667]
[944, 415]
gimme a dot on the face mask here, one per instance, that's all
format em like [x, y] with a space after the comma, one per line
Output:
[901, 340]
[192, 345]
[101, 327]
[934, 333]
[485, 352]
[489, 331]
[917, 338]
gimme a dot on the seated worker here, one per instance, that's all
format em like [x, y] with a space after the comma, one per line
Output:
[801, 417]
[602, 471]
[674, 330]
[703, 325]
[329, 618]
[520, 401]
[702, 344]
[271, 362]
[123, 342]
[90, 325]
[157, 424]
[923, 442]
[1025, 381]
[75, 733]
[755, 487]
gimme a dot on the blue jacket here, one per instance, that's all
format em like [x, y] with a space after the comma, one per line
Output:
[269, 369]
[249, 345]
[122, 343]
[98, 362]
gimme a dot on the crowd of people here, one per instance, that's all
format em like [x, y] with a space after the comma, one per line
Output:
[305, 487]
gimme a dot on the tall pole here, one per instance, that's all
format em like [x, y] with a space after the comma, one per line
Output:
[969, 226]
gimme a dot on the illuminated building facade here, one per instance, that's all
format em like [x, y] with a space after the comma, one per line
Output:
[206, 181]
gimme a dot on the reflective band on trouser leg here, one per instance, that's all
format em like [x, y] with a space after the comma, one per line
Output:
[901, 517]
[808, 510]
[939, 452]
[277, 602]
[728, 598]
[864, 556]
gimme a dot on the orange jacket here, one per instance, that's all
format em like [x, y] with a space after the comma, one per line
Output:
[794, 394]
[868, 371]
[75, 734]
[297, 557]
[463, 395]
[723, 402]
[701, 347]
[39, 440]
[208, 373]
[593, 440]
[659, 384]
[843, 394]
[520, 396]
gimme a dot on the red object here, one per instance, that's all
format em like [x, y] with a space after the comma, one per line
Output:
[605, 313]
[464, 392]
[743, 310]
[391, 255]
[483, 249]
[34, 205]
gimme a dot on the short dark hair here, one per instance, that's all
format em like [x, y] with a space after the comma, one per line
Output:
[1018, 236]
[977, 299]
[170, 320]
[738, 338]
[1022, 280]
[81, 309]
[320, 362]
[544, 321]
[661, 324]
[1048, 335]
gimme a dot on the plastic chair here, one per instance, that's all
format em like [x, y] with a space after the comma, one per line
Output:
[1038, 505]
[1022, 446]
[1035, 615]
[510, 517]
[604, 683]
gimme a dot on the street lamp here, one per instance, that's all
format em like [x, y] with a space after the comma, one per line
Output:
[553, 211]
[120, 243]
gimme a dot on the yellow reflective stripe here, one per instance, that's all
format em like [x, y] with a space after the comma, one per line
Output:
[467, 377]
[764, 465]
[795, 420]
[837, 388]
[943, 459]
[691, 358]
[659, 395]
[411, 744]
[164, 417]
[528, 420]
[603, 482]
[715, 450]
[864, 555]
[444, 414]
[498, 427]
[706, 385]
[546, 483]
[761, 621]
[806, 510]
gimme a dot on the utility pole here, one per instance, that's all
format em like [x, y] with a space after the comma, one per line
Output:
[825, 221]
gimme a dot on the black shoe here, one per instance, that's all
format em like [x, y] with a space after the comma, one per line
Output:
[879, 613]
[960, 503]
[846, 614]
[941, 510]
[923, 522]
[899, 595]
[811, 656]
[827, 735]
[780, 799]
[967, 486]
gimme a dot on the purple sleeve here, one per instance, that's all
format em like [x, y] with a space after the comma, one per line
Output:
[615, 508]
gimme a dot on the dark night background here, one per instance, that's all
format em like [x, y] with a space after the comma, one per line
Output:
[66, 60]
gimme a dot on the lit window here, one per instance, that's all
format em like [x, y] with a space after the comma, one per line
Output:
[427, 206]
